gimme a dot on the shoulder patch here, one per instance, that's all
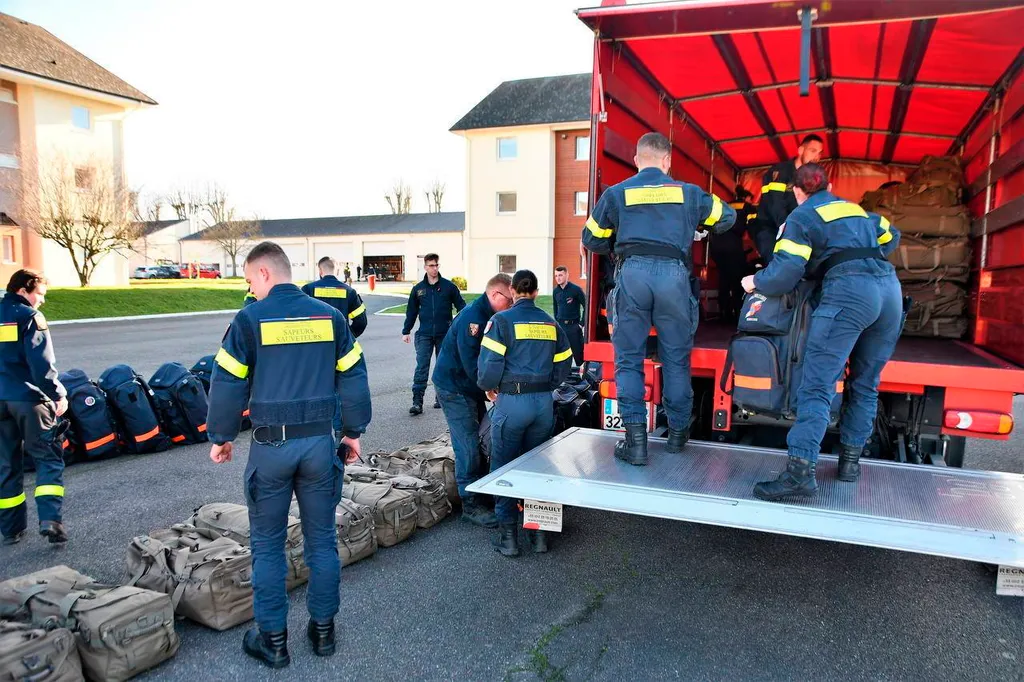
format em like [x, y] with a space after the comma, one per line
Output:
[488, 327]
[474, 328]
[41, 322]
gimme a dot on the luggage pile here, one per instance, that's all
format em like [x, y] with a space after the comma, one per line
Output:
[934, 254]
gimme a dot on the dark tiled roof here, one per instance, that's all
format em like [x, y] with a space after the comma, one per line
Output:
[7, 220]
[555, 99]
[32, 49]
[346, 225]
[151, 226]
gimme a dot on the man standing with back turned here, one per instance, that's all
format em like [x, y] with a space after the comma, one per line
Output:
[286, 357]
[649, 223]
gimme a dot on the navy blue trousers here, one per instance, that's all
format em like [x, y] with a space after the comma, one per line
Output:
[519, 423]
[463, 415]
[29, 428]
[425, 345]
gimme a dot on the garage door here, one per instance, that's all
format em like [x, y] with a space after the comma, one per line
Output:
[341, 252]
[384, 248]
[299, 258]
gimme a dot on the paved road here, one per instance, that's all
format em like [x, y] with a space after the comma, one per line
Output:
[619, 597]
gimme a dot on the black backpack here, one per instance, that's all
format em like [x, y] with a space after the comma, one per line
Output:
[203, 370]
[132, 402]
[180, 403]
[93, 427]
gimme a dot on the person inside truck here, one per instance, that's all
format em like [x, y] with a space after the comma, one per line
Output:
[777, 196]
[729, 255]
[859, 318]
[649, 222]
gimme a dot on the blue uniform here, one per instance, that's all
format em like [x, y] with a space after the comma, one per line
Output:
[249, 299]
[649, 222]
[777, 202]
[524, 356]
[570, 302]
[860, 315]
[286, 358]
[28, 419]
[341, 296]
[432, 304]
[455, 379]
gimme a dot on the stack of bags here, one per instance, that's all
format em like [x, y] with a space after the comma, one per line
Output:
[933, 258]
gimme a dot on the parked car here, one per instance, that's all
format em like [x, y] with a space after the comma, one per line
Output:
[156, 272]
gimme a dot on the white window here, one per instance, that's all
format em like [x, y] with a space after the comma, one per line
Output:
[83, 178]
[507, 202]
[507, 264]
[581, 203]
[507, 148]
[8, 249]
[583, 148]
[80, 118]
[7, 95]
[8, 161]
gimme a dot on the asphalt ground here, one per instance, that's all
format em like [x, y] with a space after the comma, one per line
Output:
[618, 598]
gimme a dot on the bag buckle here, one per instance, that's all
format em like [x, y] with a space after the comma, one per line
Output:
[270, 431]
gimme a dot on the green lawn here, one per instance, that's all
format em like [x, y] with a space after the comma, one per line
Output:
[148, 299]
[543, 302]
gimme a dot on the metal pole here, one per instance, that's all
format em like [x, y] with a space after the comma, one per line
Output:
[805, 52]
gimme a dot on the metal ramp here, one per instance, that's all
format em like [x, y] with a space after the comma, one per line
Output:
[962, 514]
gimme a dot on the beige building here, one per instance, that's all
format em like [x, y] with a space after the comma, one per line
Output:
[527, 166]
[160, 241]
[57, 109]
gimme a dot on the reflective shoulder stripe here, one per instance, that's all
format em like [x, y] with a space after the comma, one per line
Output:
[597, 230]
[538, 331]
[886, 235]
[12, 502]
[657, 194]
[773, 187]
[564, 355]
[716, 211]
[55, 490]
[840, 209]
[493, 345]
[357, 312]
[329, 292]
[790, 246]
[225, 360]
[349, 359]
[9, 332]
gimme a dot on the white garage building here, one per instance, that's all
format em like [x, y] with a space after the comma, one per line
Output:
[393, 245]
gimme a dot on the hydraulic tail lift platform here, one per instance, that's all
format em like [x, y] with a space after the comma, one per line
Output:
[942, 511]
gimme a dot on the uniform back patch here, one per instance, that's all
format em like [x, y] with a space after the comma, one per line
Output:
[538, 331]
[662, 194]
[9, 332]
[329, 292]
[297, 330]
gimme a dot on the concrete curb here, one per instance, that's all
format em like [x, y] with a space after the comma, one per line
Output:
[132, 318]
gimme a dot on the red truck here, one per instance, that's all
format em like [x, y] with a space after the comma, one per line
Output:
[735, 84]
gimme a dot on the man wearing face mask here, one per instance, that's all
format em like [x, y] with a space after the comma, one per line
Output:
[777, 198]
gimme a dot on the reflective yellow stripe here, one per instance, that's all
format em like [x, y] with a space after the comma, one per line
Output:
[55, 490]
[790, 246]
[493, 345]
[329, 292]
[886, 235]
[661, 194]
[716, 211]
[840, 209]
[564, 355]
[773, 187]
[347, 361]
[231, 365]
[9, 332]
[597, 230]
[12, 502]
[536, 330]
[357, 312]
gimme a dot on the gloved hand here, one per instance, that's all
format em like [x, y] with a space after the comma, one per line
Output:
[699, 235]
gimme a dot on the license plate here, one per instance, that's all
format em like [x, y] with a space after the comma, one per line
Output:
[611, 420]
[539, 515]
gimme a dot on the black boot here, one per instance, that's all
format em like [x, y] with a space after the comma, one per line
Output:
[14, 539]
[506, 540]
[53, 531]
[676, 440]
[477, 514]
[417, 405]
[634, 448]
[849, 463]
[437, 404]
[797, 479]
[538, 540]
[321, 636]
[269, 647]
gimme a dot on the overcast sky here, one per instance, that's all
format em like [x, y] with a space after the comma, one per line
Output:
[312, 108]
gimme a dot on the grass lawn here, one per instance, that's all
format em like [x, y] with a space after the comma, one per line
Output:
[543, 302]
[174, 296]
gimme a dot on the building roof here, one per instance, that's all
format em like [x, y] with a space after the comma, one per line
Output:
[352, 225]
[554, 99]
[151, 226]
[33, 50]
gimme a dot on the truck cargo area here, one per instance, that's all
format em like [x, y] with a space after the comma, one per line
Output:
[972, 515]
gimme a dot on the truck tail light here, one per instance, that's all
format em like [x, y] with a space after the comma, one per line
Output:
[607, 390]
[979, 422]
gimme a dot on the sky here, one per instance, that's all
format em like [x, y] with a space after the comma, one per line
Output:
[311, 108]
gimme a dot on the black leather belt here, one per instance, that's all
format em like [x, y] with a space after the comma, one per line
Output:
[519, 387]
[279, 433]
[868, 253]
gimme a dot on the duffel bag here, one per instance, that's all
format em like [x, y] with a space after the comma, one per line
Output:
[934, 300]
[30, 653]
[931, 222]
[208, 578]
[180, 402]
[936, 171]
[947, 273]
[357, 538]
[121, 631]
[232, 521]
[922, 255]
[92, 421]
[429, 460]
[939, 328]
[395, 511]
[432, 503]
[132, 404]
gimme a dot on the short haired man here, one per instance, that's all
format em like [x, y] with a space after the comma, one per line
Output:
[455, 380]
[338, 295]
[31, 400]
[570, 303]
[777, 198]
[286, 358]
[431, 300]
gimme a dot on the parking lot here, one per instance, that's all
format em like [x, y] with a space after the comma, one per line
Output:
[618, 597]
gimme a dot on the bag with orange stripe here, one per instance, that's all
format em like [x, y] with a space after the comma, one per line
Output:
[92, 423]
[180, 403]
[131, 401]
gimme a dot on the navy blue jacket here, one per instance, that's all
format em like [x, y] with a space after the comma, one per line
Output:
[523, 345]
[342, 297]
[456, 367]
[570, 302]
[28, 371]
[285, 358]
[822, 226]
[432, 303]
[777, 198]
[249, 299]
[653, 210]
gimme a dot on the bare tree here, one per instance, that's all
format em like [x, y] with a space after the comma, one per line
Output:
[155, 207]
[145, 207]
[215, 203]
[435, 195]
[235, 237]
[186, 201]
[399, 198]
